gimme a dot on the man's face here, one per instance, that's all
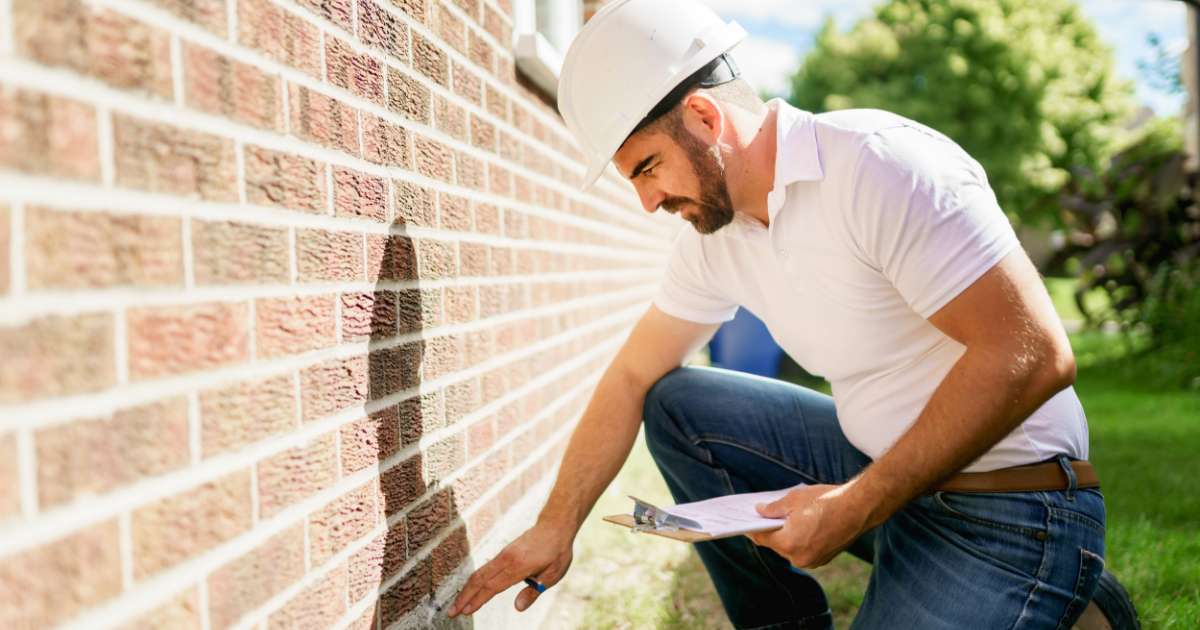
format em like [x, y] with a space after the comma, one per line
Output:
[681, 175]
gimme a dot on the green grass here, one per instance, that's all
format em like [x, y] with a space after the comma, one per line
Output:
[1145, 443]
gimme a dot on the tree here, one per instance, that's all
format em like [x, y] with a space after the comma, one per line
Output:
[1025, 86]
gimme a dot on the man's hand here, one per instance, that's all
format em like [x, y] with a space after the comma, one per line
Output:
[543, 553]
[822, 520]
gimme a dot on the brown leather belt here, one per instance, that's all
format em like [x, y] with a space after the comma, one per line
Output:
[1029, 478]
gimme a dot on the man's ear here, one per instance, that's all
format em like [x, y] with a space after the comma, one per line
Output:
[703, 117]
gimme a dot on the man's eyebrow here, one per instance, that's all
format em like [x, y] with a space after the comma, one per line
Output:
[641, 166]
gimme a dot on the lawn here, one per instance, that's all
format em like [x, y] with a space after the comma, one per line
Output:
[1145, 443]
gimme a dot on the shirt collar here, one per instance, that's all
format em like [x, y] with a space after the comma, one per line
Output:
[797, 157]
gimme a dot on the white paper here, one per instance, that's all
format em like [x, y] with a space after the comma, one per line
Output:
[731, 514]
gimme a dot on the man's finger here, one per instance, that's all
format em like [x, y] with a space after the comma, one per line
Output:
[499, 581]
[526, 597]
[778, 508]
[474, 584]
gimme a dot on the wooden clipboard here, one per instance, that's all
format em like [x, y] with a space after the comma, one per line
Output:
[685, 535]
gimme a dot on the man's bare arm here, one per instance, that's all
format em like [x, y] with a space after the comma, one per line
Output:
[597, 449]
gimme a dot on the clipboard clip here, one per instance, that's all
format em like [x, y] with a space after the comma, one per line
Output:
[650, 518]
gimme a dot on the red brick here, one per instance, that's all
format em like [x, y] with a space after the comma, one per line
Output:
[357, 194]
[450, 117]
[339, 12]
[379, 28]
[449, 27]
[385, 143]
[48, 135]
[480, 51]
[434, 159]
[430, 60]
[402, 484]
[483, 134]
[239, 253]
[417, 9]
[443, 356]
[319, 605]
[98, 455]
[474, 260]
[406, 594]
[469, 171]
[5, 244]
[322, 119]
[436, 259]
[454, 212]
[192, 522]
[470, 7]
[368, 315]
[236, 415]
[342, 522]
[250, 580]
[161, 158]
[428, 519]
[65, 250]
[448, 555]
[332, 256]
[288, 181]
[356, 72]
[467, 84]
[280, 35]
[57, 355]
[168, 340]
[296, 474]
[496, 102]
[368, 441]
[333, 385]
[10, 478]
[460, 305]
[100, 43]
[50, 584]
[414, 204]
[408, 97]
[181, 612]
[291, 325]
[393, 369]
[366, 567]
[420, 309]
[390, 257]
[226, 87]
[209, 14]
[487, 219]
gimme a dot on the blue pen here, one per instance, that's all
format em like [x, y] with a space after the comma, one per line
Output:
[536, 585]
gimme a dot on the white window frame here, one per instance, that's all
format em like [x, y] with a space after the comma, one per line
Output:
[535, 54]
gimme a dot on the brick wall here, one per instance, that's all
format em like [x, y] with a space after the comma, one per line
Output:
[298, 305]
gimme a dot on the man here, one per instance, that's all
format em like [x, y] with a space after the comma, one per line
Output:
[873, 248]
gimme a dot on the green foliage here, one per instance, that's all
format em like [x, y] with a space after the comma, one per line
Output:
[1134, 233]
[1025, 86]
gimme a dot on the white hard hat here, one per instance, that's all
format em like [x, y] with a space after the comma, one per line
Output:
[629, 56]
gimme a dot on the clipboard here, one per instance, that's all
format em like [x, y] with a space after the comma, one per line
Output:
[653, 520]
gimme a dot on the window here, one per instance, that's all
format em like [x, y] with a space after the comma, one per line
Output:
[543, 31]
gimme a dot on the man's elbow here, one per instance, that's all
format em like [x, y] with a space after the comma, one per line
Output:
[1058, 368]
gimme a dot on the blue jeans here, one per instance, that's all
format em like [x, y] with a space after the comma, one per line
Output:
[945, 560]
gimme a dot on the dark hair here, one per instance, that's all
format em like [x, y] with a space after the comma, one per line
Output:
[716, 72]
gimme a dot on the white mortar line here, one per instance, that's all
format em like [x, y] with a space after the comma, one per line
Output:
[104, 145]
[205, 617]
[16, 251]
[125, 534]
[330, 208]
[84, 197]
[195, 433]
[15, 312]
[239, 153]
[177, 69]
[62, 520]
[293, 273]
[189, 267]
[120, 346]
[254, 514]
[27, 472]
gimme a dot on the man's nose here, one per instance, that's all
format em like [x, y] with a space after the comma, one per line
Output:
[651, 199]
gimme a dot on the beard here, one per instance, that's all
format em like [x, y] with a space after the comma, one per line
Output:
[714, 208]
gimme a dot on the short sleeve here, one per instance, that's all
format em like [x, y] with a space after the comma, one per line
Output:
[686, 290]
[923, 214]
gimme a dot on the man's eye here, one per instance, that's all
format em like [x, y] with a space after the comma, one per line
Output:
[649, 170]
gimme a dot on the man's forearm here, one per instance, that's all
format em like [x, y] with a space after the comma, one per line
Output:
[597, 449]
[983, 397]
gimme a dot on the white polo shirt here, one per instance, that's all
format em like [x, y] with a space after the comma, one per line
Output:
[876, 222]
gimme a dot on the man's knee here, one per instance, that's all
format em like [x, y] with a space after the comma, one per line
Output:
[656, 409]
